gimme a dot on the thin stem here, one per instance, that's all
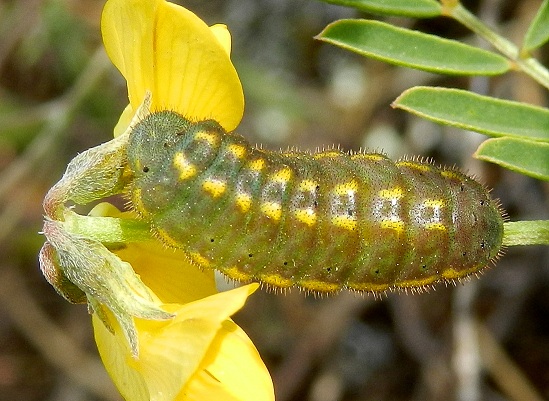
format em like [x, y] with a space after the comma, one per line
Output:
[534, 232]
[535, 69]
[522, 61]
[461, 14]
[108, 230]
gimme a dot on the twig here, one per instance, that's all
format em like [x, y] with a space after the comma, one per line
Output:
[525, 63]
[502, 368]
[52, 342]
[60, 118]
[466, 360]
[316, 338]
[19, 22]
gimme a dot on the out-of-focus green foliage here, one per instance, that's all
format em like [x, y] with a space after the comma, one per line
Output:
[528, 154]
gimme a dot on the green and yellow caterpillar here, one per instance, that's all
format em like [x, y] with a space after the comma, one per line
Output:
[322, 222]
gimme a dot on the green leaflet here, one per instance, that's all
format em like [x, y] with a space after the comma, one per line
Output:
[408, 8]
[412, 49]
[484, 114]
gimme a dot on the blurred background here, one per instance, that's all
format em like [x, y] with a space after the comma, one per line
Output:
[485, 340]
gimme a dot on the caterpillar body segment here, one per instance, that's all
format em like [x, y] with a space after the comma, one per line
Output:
[322, 222]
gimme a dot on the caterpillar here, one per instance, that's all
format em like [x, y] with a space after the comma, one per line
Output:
[322, 222]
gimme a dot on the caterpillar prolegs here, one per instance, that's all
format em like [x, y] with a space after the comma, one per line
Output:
[323, 222]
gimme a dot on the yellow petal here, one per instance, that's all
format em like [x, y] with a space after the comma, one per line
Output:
[131, 117]
[165, 48]
[127, 27]
[231, 370]
[124, 120]
[115, 356]
[170, 352]
[223, 36]
[167, 272]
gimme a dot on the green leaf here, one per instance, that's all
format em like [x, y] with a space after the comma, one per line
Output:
[535, 232]
[413, 49]
[538, 31]
[467, 110]
[407, 8]
[530, 158]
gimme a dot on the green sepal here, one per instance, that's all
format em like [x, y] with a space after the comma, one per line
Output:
[105, 279]
[75, 259]
[49, 265]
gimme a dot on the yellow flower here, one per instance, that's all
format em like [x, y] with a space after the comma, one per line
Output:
[165, 49]
[200, 354]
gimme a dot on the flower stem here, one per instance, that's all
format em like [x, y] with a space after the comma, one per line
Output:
[521, 60]
[108, 230]
[535, 232]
